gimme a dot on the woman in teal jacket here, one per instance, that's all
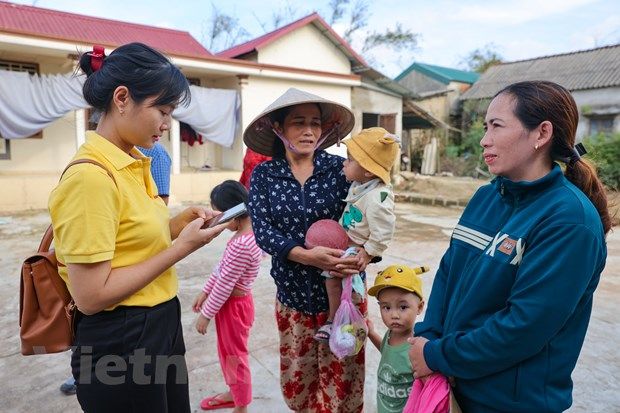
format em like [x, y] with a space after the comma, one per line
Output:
[512, 298]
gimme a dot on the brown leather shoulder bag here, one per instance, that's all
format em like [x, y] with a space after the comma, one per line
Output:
[46, 309]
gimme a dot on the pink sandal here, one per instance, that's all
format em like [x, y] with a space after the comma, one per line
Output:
[324, 332]
[214, 403]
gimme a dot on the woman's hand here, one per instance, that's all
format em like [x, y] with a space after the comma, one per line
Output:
[193, 236]
[327, 259]
[202, 323]
[97, 286]
[416, 355]
[186, 216]
[346, 267]
[200, 298]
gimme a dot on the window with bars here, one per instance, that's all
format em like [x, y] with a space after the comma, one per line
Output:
[601, 124]
[32, 68]
[5, 149]
[193, 81]
[386, 120]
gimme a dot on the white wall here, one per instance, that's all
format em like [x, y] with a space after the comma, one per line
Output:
[209, 153]
[231, 158]
[305, 48]
[49, 154]
[57, 146]
[372, 101]
[591, 100]
[436, 105]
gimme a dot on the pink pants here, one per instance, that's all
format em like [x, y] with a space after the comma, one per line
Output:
[233, 323]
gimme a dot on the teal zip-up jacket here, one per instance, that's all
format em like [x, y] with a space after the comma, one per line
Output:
[512, 298]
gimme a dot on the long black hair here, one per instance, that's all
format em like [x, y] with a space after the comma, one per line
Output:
[143, 70]
[228, 194]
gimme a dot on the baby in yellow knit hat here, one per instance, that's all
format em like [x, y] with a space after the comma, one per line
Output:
[368, 216]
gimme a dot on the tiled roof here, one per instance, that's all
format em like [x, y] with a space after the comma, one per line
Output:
[270, 37]
[52, 24]
[442, 74]
[586, 69]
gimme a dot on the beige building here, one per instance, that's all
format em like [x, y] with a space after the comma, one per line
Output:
[30, 167]
[433, 113]
[437, 88]
[375, 99]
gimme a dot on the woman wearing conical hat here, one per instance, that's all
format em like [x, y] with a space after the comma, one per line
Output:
[301, 185]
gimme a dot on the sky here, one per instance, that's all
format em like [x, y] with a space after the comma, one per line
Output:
[448, 30]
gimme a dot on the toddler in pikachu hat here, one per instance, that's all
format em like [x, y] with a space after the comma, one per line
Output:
[398, 289]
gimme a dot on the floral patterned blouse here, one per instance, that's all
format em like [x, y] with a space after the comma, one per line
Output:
[282, 210]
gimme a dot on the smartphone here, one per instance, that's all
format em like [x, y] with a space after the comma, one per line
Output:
[226, 216]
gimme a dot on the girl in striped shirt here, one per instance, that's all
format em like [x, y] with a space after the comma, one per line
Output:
[227, 298]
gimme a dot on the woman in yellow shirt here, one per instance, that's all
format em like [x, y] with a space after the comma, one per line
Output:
[114, 237]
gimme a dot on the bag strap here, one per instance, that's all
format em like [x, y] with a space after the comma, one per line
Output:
[78, 161]
[46, 242]
[48, 237]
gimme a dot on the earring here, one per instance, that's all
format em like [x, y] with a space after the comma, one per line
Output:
[121, 111]
[536, 146]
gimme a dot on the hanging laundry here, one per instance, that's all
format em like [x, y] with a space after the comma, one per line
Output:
[189, 135]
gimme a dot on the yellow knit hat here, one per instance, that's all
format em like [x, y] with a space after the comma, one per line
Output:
[375, 149]
[399, 276]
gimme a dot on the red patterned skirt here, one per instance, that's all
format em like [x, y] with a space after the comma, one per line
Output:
[311, 377]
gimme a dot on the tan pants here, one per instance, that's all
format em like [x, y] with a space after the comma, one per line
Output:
[311, 377]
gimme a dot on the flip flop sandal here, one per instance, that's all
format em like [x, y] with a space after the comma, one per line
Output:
[213, 403]
[324, 332]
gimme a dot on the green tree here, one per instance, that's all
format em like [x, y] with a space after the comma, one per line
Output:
[399, 39]
[282, 16]
[338, 9]
[604, 150]
[466, 158]
[470, 144]
[222, 31]
[481, 59]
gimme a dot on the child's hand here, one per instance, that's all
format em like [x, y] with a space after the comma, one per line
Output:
[373, 336]
[202, 323]
[200, 298]
[363, 259]
[371, 326]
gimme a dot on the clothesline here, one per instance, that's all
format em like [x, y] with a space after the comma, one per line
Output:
[30, 103]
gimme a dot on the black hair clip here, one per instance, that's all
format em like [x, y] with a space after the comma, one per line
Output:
[581, 150]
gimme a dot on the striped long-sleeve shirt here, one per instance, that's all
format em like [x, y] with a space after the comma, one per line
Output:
[237, 268]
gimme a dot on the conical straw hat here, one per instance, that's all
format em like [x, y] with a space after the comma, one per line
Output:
[259, 136]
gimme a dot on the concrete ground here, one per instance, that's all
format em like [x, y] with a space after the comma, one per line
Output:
[30, 384]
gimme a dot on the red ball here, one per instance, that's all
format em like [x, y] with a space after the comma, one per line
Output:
[327, 233]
